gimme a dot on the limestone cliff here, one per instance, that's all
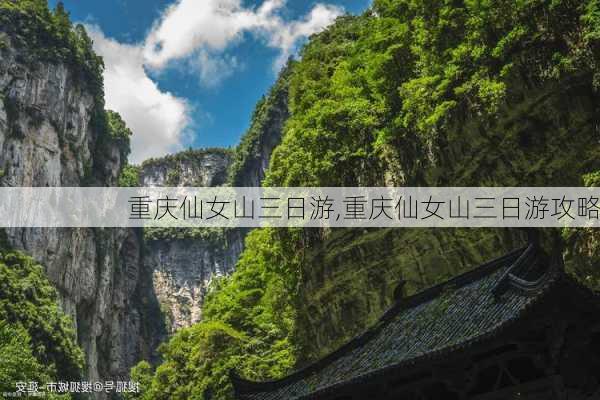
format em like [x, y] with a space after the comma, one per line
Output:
[182, 262]
[206, 167]
[125, 289]
[49, 137]
[182, 270]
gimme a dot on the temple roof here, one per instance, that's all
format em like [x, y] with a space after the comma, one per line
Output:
[428, 325]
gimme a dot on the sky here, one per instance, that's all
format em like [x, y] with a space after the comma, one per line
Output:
[187, 73]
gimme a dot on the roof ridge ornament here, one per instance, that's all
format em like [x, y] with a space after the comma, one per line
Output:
[538, 250]
[504, 283]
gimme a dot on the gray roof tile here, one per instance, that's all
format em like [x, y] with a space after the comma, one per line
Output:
[428, 324]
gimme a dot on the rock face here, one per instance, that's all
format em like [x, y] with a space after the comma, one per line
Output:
[183, 262]
[183, 269]
[189, 168]
[47, 139]
[350, 277]
[264, 134]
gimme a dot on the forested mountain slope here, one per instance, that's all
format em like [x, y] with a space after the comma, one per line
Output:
[410, 93]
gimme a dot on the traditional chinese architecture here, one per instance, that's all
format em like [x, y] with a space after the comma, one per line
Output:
[514, 328]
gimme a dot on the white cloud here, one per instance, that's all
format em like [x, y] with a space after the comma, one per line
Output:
[190, 26]
[197, 32]
[157, 119]
[286, 36]
[214, 68]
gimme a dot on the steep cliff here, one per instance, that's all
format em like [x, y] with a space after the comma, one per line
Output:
[182, 262]
[124, 289]
[182, 270]
[205, 167]
[253, 154]
[55, 132]
[452, 94]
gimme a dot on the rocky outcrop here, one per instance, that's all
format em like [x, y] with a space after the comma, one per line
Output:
[183, 262]
[182, 270]
[205, 167]
[48, 138]
[124, 289]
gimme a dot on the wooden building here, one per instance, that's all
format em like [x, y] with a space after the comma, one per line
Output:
[517, 327]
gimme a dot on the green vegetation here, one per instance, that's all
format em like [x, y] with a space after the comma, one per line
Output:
[49, 36]
[413, 92]
[592, 179]
[141, 373]
[130, 176]
[247, 324]
[39, 35]
[582, 255]
[410, 93]
[37, 341]
[113, 133]
[211, 235]
[332, 120]
[268, 111]
[116, 126]
[118, 132]
[388, 94]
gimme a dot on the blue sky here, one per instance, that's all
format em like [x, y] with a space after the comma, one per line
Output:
[178, 80]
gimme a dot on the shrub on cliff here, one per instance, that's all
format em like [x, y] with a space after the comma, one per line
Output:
[40, 35]
[50, 36]
[37, 341]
